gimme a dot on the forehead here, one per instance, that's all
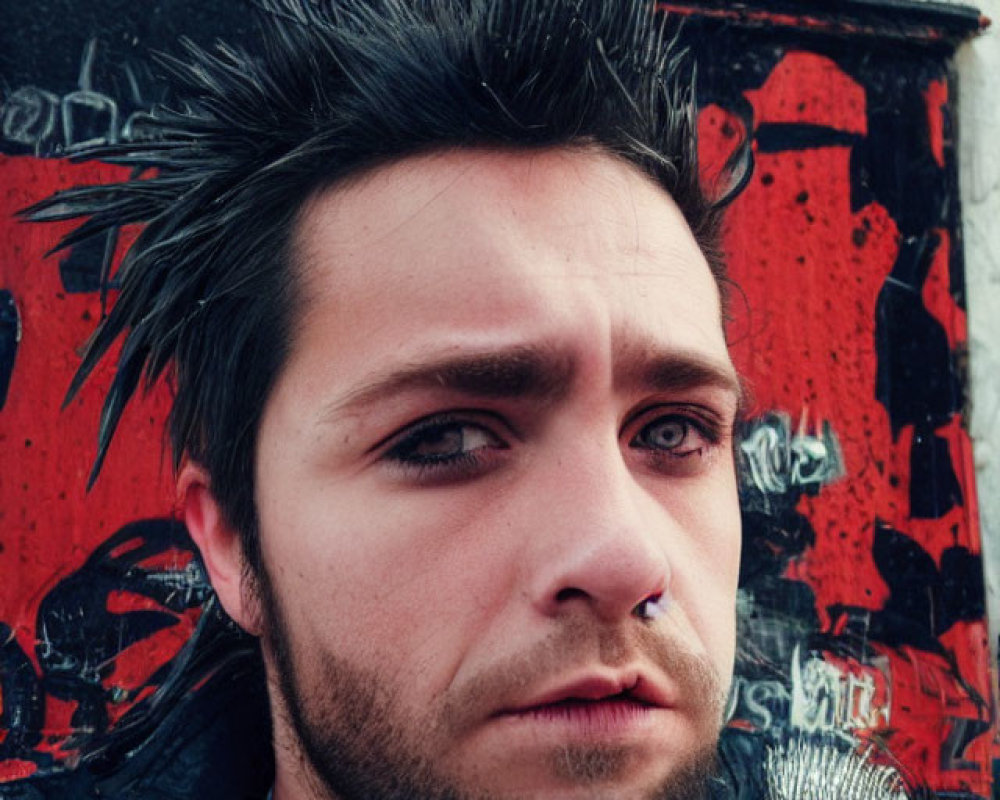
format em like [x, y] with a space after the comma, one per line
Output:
[483, 195]
[476, 247]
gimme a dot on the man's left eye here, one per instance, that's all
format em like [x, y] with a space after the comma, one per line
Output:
[674, 435]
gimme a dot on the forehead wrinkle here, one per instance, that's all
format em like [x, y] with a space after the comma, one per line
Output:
[535, 371]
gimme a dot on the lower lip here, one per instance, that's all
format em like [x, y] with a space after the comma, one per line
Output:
[589, 719]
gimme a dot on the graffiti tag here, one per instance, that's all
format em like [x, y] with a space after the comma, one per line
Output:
[83, 118]
[820, 696]
[778, 461]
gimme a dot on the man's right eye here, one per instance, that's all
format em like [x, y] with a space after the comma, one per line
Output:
[443, 444]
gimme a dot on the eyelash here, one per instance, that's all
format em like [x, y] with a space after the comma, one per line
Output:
[707, 429]
[467, 463]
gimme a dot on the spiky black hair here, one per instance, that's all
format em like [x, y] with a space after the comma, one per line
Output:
[209, 290]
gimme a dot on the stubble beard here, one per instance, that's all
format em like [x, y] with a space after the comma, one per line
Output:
[360, 745]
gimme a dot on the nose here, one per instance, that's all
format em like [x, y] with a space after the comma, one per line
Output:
[601, 542]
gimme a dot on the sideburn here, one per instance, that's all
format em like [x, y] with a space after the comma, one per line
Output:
[345, 735]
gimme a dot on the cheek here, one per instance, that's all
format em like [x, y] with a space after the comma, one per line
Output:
[709, 509]
[396, 580]
[706, 568]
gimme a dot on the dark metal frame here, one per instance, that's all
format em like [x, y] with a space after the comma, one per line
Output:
[930, 23]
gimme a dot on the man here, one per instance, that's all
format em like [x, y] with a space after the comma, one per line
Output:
[441, 295]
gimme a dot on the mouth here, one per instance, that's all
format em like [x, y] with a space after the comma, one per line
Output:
[609, 712]
[594, 705]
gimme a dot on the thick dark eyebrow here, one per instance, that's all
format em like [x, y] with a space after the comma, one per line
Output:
[540, 373]
[669, 371]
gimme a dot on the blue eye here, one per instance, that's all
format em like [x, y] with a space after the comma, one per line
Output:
[443, 442]
[675, 435]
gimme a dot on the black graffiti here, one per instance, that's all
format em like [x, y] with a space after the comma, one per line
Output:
[205, 730]
[81, 270]
[960, 735]
[777, 137]
[925, 600]
[934, 487]
[10, 338]
[895, 165]
[919, 379]
[49, 103]
[23, 712]
[916, 379]
[78, 637]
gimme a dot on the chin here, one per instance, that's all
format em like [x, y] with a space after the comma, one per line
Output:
[591, 770]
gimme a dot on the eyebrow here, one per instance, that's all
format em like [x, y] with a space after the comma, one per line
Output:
[677, 371]
[540, 372]
[526, 371]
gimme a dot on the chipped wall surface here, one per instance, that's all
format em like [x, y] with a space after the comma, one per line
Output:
[978, 111]
[862, 626]
[862, 577]
[978, 65]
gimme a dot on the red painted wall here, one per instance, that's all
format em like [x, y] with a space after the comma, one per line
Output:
[813, 268]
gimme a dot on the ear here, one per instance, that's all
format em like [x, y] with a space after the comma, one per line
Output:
[220, 545]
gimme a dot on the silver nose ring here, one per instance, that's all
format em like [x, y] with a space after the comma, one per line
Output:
[651, 608]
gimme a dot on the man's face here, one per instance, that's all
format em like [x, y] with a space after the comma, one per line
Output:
[504, 424]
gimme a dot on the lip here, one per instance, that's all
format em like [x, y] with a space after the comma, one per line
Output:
[636, 686]
[595, 703]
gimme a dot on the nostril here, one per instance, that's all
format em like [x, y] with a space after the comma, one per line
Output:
[569, 593]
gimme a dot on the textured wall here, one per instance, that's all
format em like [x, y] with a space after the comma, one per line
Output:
[861, 602]
[979, 162]
[978, 64]
[847, 245]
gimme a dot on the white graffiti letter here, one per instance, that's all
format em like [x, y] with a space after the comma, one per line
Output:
[29, 116]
